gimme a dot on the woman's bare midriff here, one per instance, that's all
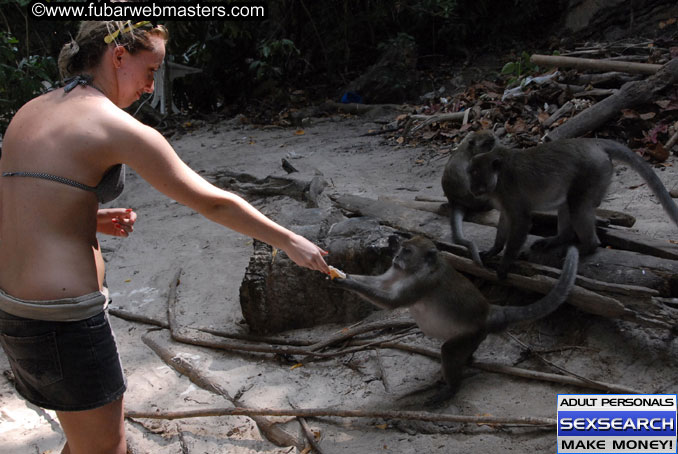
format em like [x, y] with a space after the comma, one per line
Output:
[52, 255]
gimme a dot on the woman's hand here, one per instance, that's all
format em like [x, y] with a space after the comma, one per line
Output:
[116, 221]
[304, 253]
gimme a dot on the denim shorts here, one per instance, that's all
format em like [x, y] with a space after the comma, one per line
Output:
[63, 366]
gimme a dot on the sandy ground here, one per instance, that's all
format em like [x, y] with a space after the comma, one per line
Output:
[169, 236]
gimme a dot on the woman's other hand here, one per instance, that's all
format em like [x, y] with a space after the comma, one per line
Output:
[116, 221]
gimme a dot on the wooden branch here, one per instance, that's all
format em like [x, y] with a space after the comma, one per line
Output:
[405, 322]
[268, 429]
[310, 436]
[554, 378]
[597, 65]
[439, 118]
[630, 94]
[613, 388]
[498, 368]
[339, 413]
[617, 78]
[147, 320]
[138, 318]
[201, 339]
[565, 110]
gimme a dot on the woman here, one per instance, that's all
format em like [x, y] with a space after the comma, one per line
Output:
[61, 158]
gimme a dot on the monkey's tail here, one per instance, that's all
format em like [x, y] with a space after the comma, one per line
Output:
[502, 316]
[456, 218]
[622, 153]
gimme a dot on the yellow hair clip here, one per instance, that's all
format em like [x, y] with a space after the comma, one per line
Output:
[111, 36]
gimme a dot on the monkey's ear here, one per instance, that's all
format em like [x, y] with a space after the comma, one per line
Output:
[496, 164]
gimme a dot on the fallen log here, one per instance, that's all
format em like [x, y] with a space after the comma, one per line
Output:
[608, 268]
[594, 64]
[629, 95]
[309, 191]
[439, 205]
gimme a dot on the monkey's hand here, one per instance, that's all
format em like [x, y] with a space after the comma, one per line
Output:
[346, 283]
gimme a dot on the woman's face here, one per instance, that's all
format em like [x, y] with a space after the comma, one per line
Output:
[136, 71]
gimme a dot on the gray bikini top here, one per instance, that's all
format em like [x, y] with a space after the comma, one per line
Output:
[113, 181]
[109, 188]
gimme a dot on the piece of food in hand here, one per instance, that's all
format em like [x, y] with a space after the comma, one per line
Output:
[334, 273]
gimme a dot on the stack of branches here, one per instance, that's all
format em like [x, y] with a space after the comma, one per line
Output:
[382, 333]
[625, 91]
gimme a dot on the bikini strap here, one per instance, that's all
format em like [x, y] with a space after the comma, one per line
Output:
[47, 176]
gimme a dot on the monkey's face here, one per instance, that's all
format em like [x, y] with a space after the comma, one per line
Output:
[415, 254]
[478, 142]
[483, 173]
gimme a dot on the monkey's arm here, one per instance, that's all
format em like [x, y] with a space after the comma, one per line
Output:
[379, 291]
[499, 239]
[456, 218]
[519, 227]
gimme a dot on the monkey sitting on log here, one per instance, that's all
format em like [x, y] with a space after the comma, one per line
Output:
[446, 305]
[569, 175]
[456, 186]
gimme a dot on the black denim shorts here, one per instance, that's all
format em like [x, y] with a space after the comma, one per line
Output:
[63, 366]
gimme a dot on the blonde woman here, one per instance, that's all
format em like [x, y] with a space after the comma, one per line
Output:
[63, 154]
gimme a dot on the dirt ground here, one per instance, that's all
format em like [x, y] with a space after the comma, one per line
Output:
[169, 236]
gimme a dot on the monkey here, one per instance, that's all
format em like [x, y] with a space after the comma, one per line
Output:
[455, 183]
[570, 175]
[446, 305]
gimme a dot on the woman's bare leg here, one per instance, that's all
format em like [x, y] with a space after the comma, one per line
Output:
[98, 431]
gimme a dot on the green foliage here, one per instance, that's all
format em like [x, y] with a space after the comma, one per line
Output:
[302, 44]
[275, 57]
[519, 68]
[21, 78]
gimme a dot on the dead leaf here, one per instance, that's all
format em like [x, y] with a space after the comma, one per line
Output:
[648, 116]
[400, 140]
[382, 426]
[299, 132]
[296, 366]
[429, 135]
[658, 152]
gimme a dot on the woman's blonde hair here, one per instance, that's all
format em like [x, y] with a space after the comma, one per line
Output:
[94, 37]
